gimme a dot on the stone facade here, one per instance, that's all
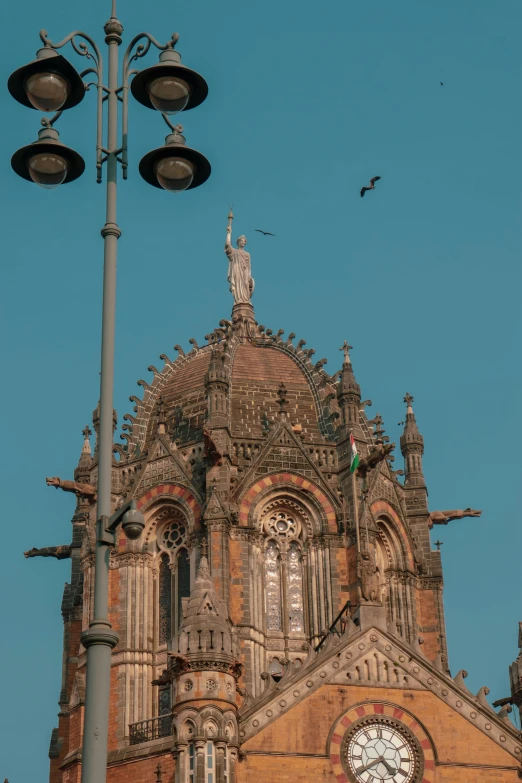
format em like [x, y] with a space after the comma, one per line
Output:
[317, 607]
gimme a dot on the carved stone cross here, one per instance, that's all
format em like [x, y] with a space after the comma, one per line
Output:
[345, 348]
[408, 399]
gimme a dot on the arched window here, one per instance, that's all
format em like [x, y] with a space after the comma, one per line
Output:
[283, 567]
[174, 573]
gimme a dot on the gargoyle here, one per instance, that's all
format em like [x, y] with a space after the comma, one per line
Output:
[164, 679]
[86, 491]
[443, 517]
[378, 454]
[59, 552]
[212, 453]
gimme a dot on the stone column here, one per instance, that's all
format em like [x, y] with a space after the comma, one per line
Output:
[181, 762]
[232, 764]
[200, 746]
[221, 749]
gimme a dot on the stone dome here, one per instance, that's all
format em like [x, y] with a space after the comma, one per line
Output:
[255, 362]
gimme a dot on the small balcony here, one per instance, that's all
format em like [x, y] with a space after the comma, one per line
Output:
[154, 728]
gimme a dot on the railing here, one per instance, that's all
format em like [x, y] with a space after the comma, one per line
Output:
[154, 728]
[337, 627]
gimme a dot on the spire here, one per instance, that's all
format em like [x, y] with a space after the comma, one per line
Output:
[84, 463]
[349, 391]
[412, 446]
[205, 633]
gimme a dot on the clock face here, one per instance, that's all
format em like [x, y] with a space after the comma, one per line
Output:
[381, 751]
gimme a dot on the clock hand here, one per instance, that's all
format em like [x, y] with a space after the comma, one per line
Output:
[391, 770]
[370, 765]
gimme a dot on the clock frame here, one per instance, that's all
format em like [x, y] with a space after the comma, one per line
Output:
[385, 714]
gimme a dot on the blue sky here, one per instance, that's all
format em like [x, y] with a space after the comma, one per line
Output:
[422, 276]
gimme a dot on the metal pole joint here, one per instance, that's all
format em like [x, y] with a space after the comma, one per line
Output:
[99, 632]
[111, 230]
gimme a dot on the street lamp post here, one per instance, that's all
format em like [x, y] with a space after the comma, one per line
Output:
[50, 83]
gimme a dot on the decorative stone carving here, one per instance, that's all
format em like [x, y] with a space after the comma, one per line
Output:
[86, 491]
[368, 575]
[59, 552]
[443, 517]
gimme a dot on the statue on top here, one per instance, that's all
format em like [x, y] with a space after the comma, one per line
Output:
[239, 271]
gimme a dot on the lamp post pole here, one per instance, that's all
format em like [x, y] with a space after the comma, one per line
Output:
[100, 639]
[50, 83]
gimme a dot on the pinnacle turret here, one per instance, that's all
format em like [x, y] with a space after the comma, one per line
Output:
[205, 633]
[412, 446]
[217, 386]
[349, 391]
[84, 463]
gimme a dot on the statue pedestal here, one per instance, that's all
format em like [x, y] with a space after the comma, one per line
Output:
[243, 311]
[370, 615]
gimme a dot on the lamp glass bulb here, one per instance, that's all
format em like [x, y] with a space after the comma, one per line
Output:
[169, 94]
[47, 169]
[47, 91]
[175, 174]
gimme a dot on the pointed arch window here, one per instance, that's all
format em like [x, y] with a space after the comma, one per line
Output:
[174, 575]
[283, 571]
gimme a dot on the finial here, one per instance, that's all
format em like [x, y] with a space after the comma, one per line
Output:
[282, 401]
[408, 399]
[86, 432]
[346, 349]
[159, 773]
[162, 415]
[438, 544]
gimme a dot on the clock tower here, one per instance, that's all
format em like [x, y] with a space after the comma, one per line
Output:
[281, 617]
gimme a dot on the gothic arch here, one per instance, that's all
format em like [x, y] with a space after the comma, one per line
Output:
[395, 536]
[165, 495]
[294, 484]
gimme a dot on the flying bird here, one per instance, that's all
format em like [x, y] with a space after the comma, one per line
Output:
[265, 233]
[442, 84]
[372, 185]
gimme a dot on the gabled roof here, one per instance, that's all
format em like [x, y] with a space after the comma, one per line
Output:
[375, 658]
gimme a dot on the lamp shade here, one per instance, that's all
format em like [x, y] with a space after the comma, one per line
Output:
[169, 83]
[174, 166]
[49, 77]
[43, 161]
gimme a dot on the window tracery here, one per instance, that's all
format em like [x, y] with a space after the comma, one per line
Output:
[174, 571]
[294, 577]
[273, 587]
[283, 569]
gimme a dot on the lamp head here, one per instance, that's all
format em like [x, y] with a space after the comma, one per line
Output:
[169, 86]
[175, 167]
[49, 83]
[47, 161]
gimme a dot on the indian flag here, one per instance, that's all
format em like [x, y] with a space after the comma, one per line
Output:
[354, 458]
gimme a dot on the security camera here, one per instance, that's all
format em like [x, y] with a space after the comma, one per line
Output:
[133, 523]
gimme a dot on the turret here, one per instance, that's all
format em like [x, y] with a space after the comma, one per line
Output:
[204, 670]
[515, 675]
[412, 447]
[349, 391]
[216, 386]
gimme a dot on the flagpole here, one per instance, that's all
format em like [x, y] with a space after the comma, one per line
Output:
[356, 510]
